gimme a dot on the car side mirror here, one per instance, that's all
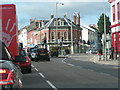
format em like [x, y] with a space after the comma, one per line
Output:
[19, 58]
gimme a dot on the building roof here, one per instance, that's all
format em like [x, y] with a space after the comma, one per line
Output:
[87, 27]
[50, 23]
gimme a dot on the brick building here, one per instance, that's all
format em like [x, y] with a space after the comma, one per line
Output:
[59, 31]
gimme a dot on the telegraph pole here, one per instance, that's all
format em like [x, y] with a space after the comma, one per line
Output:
[105, 53]
[71, 38]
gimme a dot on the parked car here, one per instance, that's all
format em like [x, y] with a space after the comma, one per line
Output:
[54, 51]
[10, 73]
[24, 62]
[42, 54]
[94, 51]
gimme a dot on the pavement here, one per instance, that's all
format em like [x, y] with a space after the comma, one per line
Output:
[107, 62]
[94, 58]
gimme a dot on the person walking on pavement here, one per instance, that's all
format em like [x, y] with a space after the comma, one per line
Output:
[99, 54]
[112, 52]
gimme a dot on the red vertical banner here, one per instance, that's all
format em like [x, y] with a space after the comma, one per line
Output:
[9, 29]
[118, 43]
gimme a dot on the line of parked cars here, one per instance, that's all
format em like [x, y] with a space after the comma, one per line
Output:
[11, 70]
[10, 73]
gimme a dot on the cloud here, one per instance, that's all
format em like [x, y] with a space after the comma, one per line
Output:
[42, 10]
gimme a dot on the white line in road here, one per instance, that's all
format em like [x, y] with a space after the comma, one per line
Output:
[105, 74]
[32, 65]
[36, 69]
[70, 64]
[90, 70]
[51, 85]
[42, 75]
[63, 60]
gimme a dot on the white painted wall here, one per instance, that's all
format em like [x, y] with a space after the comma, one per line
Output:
[22, 37]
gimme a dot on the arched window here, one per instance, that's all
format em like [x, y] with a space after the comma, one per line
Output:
[59, 23]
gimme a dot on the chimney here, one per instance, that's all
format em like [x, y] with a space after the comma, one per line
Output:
[64, 15]
[74, 18]
[52, 16]
[78, 19]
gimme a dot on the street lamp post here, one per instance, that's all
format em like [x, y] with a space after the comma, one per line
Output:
[71, 38]
[105, 36]
[56, 36]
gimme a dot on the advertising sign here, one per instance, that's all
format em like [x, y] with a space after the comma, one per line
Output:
[8, 27]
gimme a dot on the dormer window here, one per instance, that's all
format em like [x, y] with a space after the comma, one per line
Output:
[59, 23]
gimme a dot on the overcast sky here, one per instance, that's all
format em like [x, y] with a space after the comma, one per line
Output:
[89, 11]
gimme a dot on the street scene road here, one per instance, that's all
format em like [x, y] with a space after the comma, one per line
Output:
[59, 45]
[72, 72]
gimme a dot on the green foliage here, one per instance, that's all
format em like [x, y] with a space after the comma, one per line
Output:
[101, 24]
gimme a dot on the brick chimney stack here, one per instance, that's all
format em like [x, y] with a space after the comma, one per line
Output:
[52, 16]
[78, 19]
[75, 17]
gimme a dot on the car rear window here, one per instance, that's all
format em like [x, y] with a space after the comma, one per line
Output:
[42, 50]
[6, 65]
[22, 53]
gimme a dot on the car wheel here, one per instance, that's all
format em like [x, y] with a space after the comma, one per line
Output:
[36, 60]
[48, 59]
[29, 70]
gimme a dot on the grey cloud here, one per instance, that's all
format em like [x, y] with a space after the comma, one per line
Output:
[42, 10]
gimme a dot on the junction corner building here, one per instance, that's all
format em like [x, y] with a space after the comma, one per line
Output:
[115, 24]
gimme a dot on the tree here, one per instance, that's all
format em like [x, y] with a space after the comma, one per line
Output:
[101, 24]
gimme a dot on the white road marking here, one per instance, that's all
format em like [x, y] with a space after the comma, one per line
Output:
[70, 64]
[36, 69]
[105, 74]
[42, 75]
[90, 70]
[32, 65]
[51, 85]
[63, 60]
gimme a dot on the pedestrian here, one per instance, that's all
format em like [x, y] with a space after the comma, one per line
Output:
[99, 54]
[112, 52]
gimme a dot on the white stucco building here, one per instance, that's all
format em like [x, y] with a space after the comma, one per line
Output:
[22, 37]
[89, 34]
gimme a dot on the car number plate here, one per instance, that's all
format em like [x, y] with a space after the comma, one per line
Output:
[42, 54]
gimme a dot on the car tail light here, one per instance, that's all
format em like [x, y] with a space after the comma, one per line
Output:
[6, 77]
[3, 71]
[17, 63]
[27, 61]
[42, 51]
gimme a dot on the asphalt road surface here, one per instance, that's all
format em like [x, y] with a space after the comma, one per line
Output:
[70, 73]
